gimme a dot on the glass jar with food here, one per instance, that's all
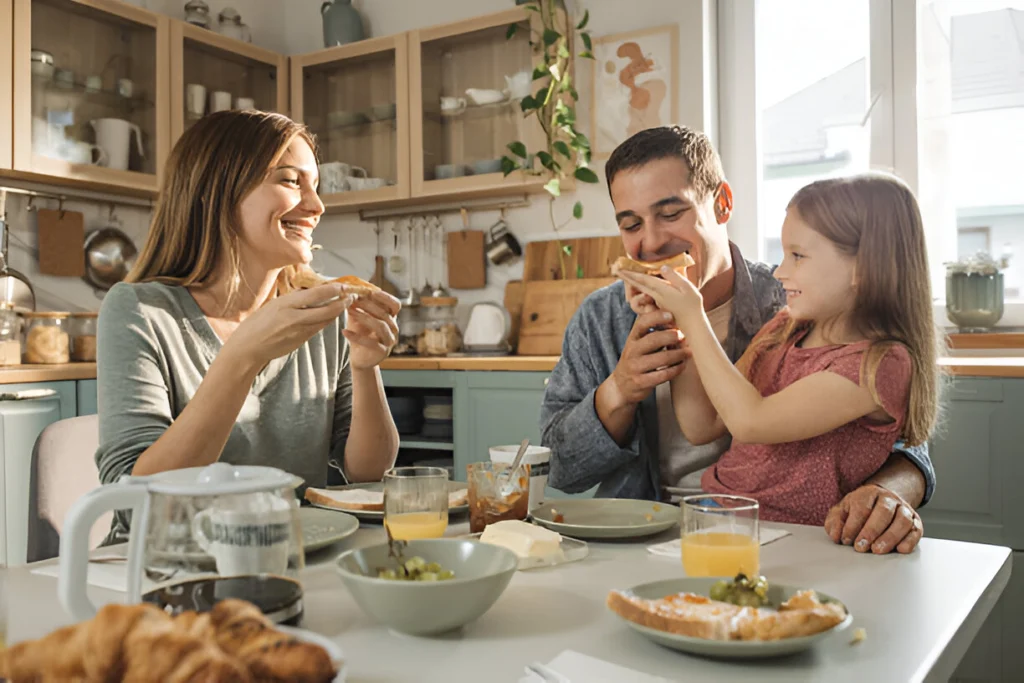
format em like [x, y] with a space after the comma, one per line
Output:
[83, 336]
[441, 334]
[10, 335]
[410, 327]
[493, 497]
[974, 293]
[46, 338]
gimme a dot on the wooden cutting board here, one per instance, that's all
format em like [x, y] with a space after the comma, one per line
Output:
[514, 292]
[467, 265]
[595, 254]
[61, 243]
[547, 307]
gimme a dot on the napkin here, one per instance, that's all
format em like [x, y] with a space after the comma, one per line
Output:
[672, 549]
[572, 667]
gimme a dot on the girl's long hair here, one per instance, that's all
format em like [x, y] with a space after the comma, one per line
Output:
[215, 164]
[875, 218]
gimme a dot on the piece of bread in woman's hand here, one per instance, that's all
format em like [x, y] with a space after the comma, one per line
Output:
[356, 286]
[679, 263]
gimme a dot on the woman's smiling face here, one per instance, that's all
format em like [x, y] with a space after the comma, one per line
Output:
[277, 219]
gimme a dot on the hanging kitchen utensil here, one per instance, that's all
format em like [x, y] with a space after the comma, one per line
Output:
[437, 258]
[502, 245]
[427, 290]
[410, 297]
[61, 239]
[378, 273]
[467, 265]
[14, 286]
[109, 256]
[396, 264]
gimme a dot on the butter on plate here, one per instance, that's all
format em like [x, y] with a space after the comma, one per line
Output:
[525, 540]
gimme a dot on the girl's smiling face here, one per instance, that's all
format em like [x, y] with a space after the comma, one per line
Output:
[818, 277]
[278, 217]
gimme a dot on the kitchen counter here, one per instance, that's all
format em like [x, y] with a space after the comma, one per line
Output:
[18, 374]
[984, 366]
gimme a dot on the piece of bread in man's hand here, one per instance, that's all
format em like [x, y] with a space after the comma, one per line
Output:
[679, 262]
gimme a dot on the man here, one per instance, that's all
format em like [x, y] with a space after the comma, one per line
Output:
[607, 414]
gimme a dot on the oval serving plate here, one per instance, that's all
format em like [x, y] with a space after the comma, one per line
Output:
[728, 649]
[598, 518]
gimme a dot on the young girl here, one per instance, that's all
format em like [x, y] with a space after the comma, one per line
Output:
[826, 388]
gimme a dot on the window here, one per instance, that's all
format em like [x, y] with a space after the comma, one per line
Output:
[932, 90]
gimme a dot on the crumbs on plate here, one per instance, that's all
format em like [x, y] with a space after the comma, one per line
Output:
[859, 635]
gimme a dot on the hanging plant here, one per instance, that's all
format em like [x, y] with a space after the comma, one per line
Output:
[567, 151]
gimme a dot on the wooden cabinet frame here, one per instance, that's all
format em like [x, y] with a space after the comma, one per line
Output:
[6, 84]
[181, 31]
[354, 200]
[40, 168]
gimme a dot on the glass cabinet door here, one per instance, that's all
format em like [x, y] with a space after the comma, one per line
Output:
[6, 85]
[471, 80]
[355, 100]
[93, 86]
[212, 73]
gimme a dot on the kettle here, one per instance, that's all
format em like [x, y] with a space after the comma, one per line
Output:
[488, 327]
[198, 535]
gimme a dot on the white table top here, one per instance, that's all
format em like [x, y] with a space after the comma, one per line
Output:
[921, 612]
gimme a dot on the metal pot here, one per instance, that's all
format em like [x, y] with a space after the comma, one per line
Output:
[502, 245]
[109, 255]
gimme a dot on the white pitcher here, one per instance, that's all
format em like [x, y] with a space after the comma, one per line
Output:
[114, 137]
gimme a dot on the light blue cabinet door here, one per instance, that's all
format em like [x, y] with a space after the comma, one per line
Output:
[87, 397]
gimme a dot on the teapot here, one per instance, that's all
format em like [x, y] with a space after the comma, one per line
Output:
[198, 535]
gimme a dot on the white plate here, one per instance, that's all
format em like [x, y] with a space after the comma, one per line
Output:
[378, 515]
[601, 518]
[321, 528]
[727, 649]
[573, 550]
[334, 651]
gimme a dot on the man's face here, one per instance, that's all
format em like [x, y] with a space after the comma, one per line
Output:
[660, 215]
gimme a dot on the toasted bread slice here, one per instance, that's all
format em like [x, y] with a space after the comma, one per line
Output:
[696, 616]
[347, 499]
[458, 498]
[679, 262]
[356, 286]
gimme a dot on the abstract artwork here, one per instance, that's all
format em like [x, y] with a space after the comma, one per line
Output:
[634, 85]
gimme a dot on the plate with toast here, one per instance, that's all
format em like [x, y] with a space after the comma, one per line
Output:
[680, 614]
[366, 501]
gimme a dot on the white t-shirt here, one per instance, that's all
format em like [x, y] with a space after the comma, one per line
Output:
[682, 463]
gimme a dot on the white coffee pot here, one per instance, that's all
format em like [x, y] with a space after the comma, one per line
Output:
[114, 137]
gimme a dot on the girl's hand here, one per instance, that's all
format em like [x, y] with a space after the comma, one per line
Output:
[371, 330]
[674, 294]
[639, 302]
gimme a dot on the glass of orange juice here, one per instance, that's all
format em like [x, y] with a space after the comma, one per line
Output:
[720, 536]
[416, 502]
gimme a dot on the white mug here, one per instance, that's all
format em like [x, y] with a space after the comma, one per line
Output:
[125, 87]
[245, 542]
[220, 100]
[245, 103]
[195, 99]
[453, 105]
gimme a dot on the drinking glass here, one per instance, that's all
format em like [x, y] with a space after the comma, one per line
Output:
[416, 502]
[488, 504]
[720, 536]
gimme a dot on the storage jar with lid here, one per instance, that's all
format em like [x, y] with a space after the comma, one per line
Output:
[409, 329]
[10, 335]
[47, 340]
[83, 336]
[441, 334]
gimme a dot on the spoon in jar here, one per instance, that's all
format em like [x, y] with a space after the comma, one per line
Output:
[506, 486]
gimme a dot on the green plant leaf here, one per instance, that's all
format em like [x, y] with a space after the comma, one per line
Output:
[508, 165]
[546, 160]
[579, 271]
[567, 249]
[530, 6]
[563, 50]
[586, 41]
[577, 210]
[539, 72]
[511, 31]
[585, 175]
[581, 141]
[551, 36]
[528, 104]
[562, 149]
[583, 22]
[541, 96]
[587, 54]
[517, 148]
[554, 188]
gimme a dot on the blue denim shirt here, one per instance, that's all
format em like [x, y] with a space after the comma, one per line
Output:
[583, 455]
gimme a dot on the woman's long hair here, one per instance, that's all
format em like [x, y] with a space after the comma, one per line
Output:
[875, 218]
[214, 165]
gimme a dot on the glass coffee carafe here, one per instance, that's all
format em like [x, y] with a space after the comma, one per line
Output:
[198, 536]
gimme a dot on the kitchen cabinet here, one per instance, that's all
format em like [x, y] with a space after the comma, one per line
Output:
[355, 98]
[86, 394]
[207, 66]
[6, 84]
[21, 422]
[458, 137]
[95, 111]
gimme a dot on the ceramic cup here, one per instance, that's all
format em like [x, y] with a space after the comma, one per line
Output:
[537, 457]
[245, 103]
[65, 78]
[195, 100]
[220, 100]
[93, 84]
[366, 183]
[125, 87]
[245, 542]
[453, 105]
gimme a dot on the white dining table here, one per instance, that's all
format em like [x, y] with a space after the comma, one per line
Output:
[920, 613]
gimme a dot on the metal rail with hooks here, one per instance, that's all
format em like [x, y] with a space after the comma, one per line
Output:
[489, 204]
[61, 198]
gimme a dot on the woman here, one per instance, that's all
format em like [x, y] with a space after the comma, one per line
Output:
[210, 352]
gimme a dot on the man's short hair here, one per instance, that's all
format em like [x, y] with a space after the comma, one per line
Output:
[692, 146]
